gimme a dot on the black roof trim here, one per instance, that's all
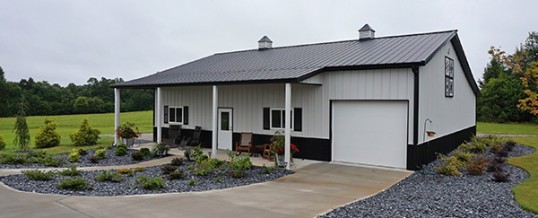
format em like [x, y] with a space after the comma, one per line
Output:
[465, 64]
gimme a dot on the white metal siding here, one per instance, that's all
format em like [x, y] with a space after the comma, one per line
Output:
[380, 84]
[448, 115]
[248, 101]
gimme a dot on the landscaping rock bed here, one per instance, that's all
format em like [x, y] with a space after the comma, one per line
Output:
[426, 194]
[129, 186]
[110, 160]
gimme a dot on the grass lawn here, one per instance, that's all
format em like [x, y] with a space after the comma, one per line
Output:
[507, 128]
[68, 124]
[526, 193]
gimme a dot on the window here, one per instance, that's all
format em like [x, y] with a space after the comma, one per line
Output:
[278, 118]
[449, 77]
[176, 115]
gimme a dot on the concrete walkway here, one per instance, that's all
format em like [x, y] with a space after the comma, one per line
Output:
[312, 190]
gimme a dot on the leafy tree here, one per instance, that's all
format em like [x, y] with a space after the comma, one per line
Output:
[47, 136]
[22, 136]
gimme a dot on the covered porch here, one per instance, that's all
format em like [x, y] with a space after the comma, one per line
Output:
[222, 111]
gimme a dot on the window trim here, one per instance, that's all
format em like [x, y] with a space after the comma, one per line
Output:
[282, 110]
[449, 77]
[175, 114]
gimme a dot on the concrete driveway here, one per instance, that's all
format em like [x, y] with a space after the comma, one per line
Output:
[312, 190]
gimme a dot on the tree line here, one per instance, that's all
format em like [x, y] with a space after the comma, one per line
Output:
[42, 98]
[510, 84]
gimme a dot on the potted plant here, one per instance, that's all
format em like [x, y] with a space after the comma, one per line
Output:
[128, 131]
[278, 149]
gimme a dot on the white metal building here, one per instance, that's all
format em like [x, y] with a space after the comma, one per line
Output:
[369, 100]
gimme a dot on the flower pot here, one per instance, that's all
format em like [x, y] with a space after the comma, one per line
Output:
[128, 141]
[279, 160]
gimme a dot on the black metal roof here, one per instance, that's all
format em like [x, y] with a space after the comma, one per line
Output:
[296, 63]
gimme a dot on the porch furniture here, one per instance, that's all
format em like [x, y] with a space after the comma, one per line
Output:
[183, 144]
[267, 153]
[173, 135]
[244, 143]
[196, 136]
[257, 150]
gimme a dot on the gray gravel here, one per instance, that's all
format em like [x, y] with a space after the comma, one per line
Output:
[424, 194]
[129, 186]
[110, 160]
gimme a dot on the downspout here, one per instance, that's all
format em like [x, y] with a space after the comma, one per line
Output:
[415, 113]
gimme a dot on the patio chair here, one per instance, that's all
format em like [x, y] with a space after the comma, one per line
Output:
[244, 143]
[196, 136]
[183, 144]
[173, 134]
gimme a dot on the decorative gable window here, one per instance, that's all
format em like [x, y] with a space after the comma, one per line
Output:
[449, 77]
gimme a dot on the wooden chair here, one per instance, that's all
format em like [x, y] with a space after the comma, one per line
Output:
[183, 144]
[196, 136]
[244, 143]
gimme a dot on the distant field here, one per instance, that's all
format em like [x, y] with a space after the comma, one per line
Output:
[67, 124]
[507, 128]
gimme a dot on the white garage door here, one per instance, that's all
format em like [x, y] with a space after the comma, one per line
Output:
[370, 132]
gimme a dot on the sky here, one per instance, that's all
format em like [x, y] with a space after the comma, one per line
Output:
[69, 41]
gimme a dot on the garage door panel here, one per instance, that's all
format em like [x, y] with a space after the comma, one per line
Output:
[370, 132]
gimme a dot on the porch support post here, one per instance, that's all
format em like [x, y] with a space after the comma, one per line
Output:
[158, 115]
[214, 122]
[287, 126]
[117, 103]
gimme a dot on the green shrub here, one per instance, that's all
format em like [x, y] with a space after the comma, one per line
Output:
[160, 150]
[478, 165]
[38, 175]
[192, 181]
[177, 161]
[508, 145]
[177, 174]
[125, 171]
[107, 176]
[146, 152]
[35, 156]
[137, 156]
[474, 146]
[206, 166]
[100, 153]
[238, 165]
[463, 156]
[138, 169]
[451, 166]
[167, 169]
[197, 155]
[75, 184]
[82, 152]
[52, 161]
[70, 171]
[86, 135]
[12, 159]
[267, 170]
[94, 159]
[150, 183]
[121, 151]
[47, 136]
[74, 156]
[2, 143]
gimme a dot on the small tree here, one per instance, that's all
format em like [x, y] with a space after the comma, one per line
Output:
[86, 135]
[22, 136]
[47, 136]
